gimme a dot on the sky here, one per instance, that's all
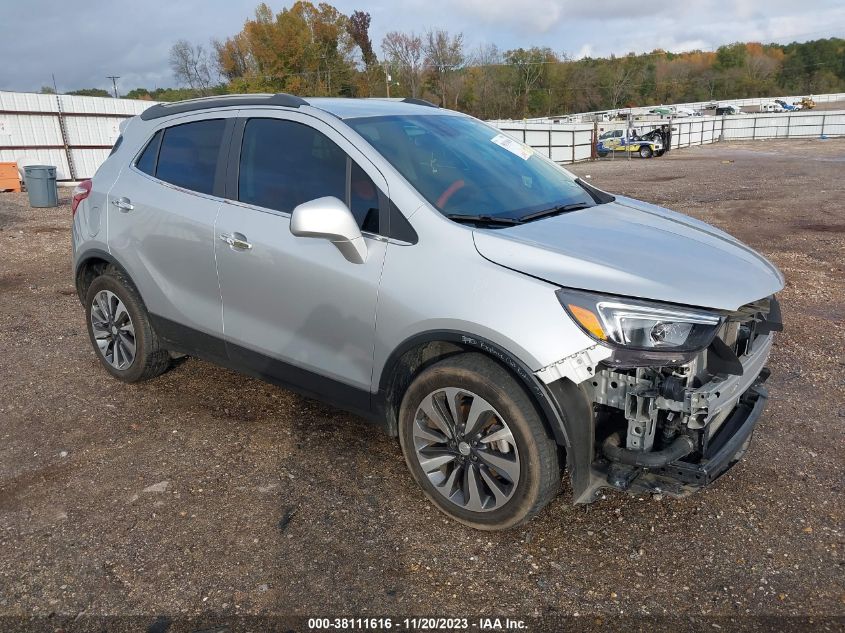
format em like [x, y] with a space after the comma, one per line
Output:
[83, 43]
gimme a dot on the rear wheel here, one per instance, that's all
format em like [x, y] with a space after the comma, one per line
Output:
[476, 445]
[120, 330]
[602, 154]
[645, 151]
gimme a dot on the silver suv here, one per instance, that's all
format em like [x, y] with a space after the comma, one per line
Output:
[415, 266]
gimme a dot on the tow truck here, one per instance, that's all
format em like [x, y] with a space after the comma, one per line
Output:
[617, 141]
[788, 107]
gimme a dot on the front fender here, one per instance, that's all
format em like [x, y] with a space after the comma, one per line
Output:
[566, 409]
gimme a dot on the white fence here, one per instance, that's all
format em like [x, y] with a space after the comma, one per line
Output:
[73, 133]
[76, 133]
[702, 130]
[563, 143]
[572, 142]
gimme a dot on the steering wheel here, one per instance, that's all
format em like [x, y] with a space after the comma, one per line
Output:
[449, 192]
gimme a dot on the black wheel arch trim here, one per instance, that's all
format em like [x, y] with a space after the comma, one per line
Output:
[565, 408]
[96, 253]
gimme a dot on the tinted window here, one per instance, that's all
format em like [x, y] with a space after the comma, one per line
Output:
[284, 164]
[188, 155]
[147, 161]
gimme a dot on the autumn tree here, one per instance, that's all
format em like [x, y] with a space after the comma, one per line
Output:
[305, 49]
[371, 76]
[529, 66]
[404, 53]
[484, 78]
[314, 49]
[444, 55]
[90, 92]
[234, 57]
[731, 56]
[358, 28]
[192, 66]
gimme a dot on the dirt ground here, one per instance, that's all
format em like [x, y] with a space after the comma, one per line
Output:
[206, 492]
[830, 105]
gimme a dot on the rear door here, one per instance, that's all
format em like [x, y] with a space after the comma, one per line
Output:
[161, 227]
[295, 310]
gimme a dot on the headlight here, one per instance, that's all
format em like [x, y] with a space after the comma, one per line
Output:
[637, 324]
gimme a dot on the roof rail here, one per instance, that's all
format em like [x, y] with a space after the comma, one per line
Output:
[204, 103]
[421, 102]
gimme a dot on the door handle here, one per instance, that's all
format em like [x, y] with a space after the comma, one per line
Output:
[236, 240]
[123, 204]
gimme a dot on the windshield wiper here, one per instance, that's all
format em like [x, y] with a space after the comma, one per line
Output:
[565, 208]
[482, 219]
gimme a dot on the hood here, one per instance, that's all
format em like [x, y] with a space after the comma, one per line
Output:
[635, 249]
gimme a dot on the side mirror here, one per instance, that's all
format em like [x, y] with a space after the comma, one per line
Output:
[330, 219]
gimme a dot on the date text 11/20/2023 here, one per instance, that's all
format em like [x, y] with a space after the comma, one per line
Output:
[416, 624]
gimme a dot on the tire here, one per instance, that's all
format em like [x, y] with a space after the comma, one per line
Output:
[117, 320]
[602, 154]
[645, 151]
[521, 461]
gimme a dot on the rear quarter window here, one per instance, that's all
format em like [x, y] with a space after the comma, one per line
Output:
[147, 160]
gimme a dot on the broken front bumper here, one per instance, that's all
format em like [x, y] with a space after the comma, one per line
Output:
[724, 449]
[728, 445]
[663, 423]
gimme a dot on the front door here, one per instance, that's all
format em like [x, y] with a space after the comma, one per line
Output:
[294, 309]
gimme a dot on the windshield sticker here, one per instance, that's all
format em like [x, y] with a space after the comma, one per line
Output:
[513, 146]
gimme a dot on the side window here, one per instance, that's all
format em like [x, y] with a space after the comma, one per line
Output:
[147, 161]
[188, 154]
[284, 163]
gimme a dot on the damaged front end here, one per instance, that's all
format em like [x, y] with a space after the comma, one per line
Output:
[671, 418]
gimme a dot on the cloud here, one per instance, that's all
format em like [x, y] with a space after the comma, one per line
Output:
[586, 51]
[133, 39]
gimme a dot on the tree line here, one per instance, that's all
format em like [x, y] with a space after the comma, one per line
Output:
[315, 50]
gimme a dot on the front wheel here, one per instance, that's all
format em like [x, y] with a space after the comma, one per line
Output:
[476, 445]
[645, 151]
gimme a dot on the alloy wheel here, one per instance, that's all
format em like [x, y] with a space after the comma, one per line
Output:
[466, 449]
[113, 329]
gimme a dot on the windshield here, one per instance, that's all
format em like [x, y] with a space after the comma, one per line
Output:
[466, 168]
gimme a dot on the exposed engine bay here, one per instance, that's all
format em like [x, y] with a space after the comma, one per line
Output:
[675, 427]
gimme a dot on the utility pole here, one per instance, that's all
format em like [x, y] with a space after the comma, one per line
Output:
[386, 79]
[114, 79]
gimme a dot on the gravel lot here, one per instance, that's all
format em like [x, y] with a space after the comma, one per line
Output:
[205, 492]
